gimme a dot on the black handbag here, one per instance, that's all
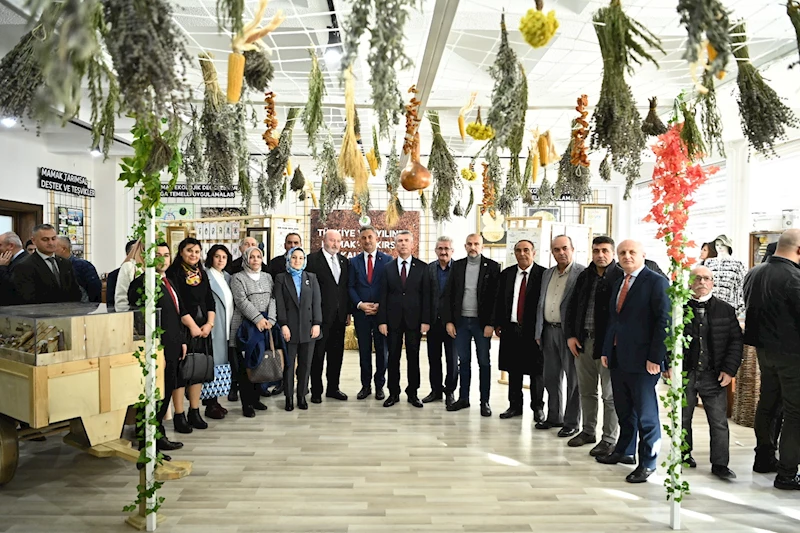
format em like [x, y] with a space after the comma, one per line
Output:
[270, 368]
[198, 365]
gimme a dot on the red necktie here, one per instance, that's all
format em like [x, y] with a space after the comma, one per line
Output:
[623, 293]
[521, 298]
[369, 269]
[172, 294]
[403, 274]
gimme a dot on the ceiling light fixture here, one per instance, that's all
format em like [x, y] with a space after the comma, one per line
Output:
[8, 122]
[333, 51]
[95, 152]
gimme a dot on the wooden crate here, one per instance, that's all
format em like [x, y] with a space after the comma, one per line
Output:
[109, 334]
[74, 335]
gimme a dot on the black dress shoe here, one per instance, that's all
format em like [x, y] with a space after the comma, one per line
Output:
[640, 474]
[363, 393]
[787, 482]
[449, 399]
[485, 409]
[259, 406]
[391, 400]
[379, 395]
[538, 415]
[248, 411]
[289, 404]
[181, 424]
[690, 462]
[548, 425]
[602, 449]
[765, 466]
[302, 403]
[165, 457]
[266, 393]
[581, 439]
[567, 432]
[336, 395]
[511, 412]
[722, 472]
[413, 400]
[459, 405]
[164, 444]
[278, 390]
[196, 420]
[316, 399]
[432, 397]
[614, 458]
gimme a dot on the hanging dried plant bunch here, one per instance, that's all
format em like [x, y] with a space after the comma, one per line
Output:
[764, 115]
[394, 210]
[258, 69]
[536, 27]
[312, 114]
[412, 121]
[278, 159]
[617, 123]
[351, 161]
[230, 14]
[710, 117]
[546, 193]
[376, 148]
[706, 19]
[573, 179]
[504, 114]
[443, 167]
[218, 123]
[478, 130]
[527, 179]
[270, 136]
[243, 155]
[149, 55]
[298, 180]
[521, 102]
[333, 191]
[105, 104]
[652, 125]
[580, 130]
[793, 10]
[262, 188]
[193, 164]
[511, 192]
[492, 177]
[605, 169]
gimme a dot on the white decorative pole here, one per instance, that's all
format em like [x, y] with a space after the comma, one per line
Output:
[676, 383]
[150, 347]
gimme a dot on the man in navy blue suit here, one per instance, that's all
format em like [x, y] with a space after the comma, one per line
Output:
[635, 353]
[366, 272]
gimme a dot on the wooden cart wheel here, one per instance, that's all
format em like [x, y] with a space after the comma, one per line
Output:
[9, 450]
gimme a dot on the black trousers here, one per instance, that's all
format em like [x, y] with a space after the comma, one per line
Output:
[170, 382]
[715, 404]
[513, 342]
[780, 386]
[412, 337]
[438, 338]
[249, 393]
[330, 347]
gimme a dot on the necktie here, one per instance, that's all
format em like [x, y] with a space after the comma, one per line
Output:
[521, 298]
[369, 268]
[172, 295]
[54, 269]
[335, 268]
[624, 292]
[403, 274]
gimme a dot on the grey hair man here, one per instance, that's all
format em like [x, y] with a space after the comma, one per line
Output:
[85, 272]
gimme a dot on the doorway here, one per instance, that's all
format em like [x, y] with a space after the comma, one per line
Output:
[20, 217]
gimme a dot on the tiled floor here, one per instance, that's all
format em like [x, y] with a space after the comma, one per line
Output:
[357, 467]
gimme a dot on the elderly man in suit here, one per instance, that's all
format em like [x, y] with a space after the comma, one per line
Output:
[635, 352]
[438, 273]
[331, 269]
[558, 282]
[404, 314]
[11, 254]
[515, 314]
[43, 277]
[365, 273]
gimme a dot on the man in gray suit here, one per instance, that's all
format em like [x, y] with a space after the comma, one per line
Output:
[558, 283]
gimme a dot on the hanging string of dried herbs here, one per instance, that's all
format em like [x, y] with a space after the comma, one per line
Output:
[351, 161]
[312, 113]
[763, 114]
[573, 179]
[243, 156]
[376, 147]
[218, 123]
[271, 120]
[193, 165]
[617, 123]
[258, 69]
[690, 134]
[333, 191]
[511, 192]
[526, 179]
[395, 209]
[148, 51]
[580, 130]
[298, 180]
[262, 188]
[277, 160]
[492, 177]
[546, 193]
[443, 167]
[652, 125]
[505, 113]
[605, 169]
[230, 14]
[710, 117]
[521, 107]
[105, 107]
[706, 19]
[793, 10]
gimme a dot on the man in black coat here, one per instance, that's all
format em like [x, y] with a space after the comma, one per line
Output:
[518, 291]
[711, 363]
[235, 266]
[585, 329]
[404, 313]
[438, 274]
[277, 265]
[43, 277]
[772, 299]
[467, 307]
[331, 269]
[11, 254]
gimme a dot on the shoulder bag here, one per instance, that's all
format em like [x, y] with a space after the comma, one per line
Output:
[198, 365]
[271, 367]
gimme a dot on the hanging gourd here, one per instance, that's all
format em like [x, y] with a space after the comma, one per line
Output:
[415, 177]
[536, 27]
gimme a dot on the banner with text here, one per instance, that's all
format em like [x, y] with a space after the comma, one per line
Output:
[59, 181]
[348, 223]
[200, 190]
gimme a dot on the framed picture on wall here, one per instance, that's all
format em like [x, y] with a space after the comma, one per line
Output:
[175, 234]
[551, 214]
[492, 229]
[598, 216]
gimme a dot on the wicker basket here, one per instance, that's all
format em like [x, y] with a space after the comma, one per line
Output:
[748, 389]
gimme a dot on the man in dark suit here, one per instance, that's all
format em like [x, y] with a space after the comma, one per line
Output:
[111, 279]
[43, 277]
[235, 266]
[277, 264]
[438, 274]
[366, 272]
[404, 313]
[173, 339]
[11, 254]
[468, 312]
[85, 272]
[515, 312]
[635, 352]
[331, 269]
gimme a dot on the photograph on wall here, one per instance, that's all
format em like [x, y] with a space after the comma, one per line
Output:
[175, 234]
[492, 229]
[348, 224]
[168, 212]
[598, 216]
[550, 214]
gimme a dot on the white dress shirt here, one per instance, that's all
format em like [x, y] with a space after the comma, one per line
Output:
[634, 275]
[517, 283]
[400, 265]
[333, 264]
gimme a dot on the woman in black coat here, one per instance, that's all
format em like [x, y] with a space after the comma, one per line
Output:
[299, 304]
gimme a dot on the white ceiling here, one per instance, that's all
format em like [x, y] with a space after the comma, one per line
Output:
[569, 66]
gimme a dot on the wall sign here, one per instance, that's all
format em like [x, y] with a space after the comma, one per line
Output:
[202, 190]
[64, 182]
[348, 223]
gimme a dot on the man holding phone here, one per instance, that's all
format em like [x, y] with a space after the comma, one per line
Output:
[585, 328]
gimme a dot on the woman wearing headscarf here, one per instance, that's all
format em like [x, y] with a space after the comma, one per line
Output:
[131, 268]
[254, 300]
[217, 261]
[299, 305]
[198, 314]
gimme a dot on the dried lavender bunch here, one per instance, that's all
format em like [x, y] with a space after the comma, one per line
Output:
[707, 18]
[149, 55]
[258, 69]
[764, 115]
[444, 170]
[505, 113]
[333, 191]
[710, 117]
[652, 125]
